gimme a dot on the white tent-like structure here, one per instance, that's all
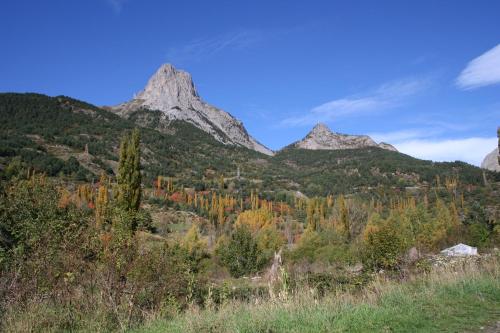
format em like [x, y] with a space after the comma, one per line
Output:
[460, 250]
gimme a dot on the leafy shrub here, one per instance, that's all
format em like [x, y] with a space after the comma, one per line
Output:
[195, 246]
[477, 234]
[324, 246]
[240, 254]
[384, 242]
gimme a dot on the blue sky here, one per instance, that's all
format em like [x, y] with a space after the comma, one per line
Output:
[422, 75]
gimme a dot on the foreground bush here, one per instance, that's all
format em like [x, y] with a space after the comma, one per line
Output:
[60, 270]
[240, 254]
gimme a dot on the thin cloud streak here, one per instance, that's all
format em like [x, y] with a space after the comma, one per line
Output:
[481, 71]
[202, 48]
[116, 5]
[386, 96]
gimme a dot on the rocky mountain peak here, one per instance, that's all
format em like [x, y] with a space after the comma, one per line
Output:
[320, 129]
[168, 88]
[321, 137]
[173, 92]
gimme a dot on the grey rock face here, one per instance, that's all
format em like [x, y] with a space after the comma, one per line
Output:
[387, 146]
[173, 92]
[490, 162]
[321, 137]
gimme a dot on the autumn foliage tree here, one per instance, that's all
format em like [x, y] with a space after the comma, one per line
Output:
[344, 218]
[384, 242]
[256, 219]
[102, 202]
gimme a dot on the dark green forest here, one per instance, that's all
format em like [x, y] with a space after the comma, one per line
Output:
[46, 132]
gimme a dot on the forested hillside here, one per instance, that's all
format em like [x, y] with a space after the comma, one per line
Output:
[45, 132]
[63, 136]
[108, 224]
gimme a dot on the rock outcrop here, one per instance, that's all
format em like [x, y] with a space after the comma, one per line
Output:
[387, 146]
[321, 137]
[490, 162]
[172, 92]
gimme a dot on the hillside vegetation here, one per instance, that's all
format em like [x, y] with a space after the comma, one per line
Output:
[51, 134]
[43, 129]
[110, 224]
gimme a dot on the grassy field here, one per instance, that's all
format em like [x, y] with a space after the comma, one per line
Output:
[448, 300]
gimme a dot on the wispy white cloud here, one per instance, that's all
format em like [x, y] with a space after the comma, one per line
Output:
[116, 5]
[202, 48]
[430, 144]
[347, 106]
[481, 71]
[471, 150]
[386, 96]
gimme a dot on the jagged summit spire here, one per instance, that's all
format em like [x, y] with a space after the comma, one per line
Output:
[321, 125]
[168, 71]
[168, 67]
[169, 87]
[321, 128]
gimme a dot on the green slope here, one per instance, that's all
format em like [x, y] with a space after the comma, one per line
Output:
[50, 134]
[35, 123]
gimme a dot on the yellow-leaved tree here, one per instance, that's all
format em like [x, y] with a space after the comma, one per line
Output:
[385, 241]
[255, 219]
[194, 243]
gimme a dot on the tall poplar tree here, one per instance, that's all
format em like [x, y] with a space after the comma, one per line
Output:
[129, 172]
[102, 201]
[344, 218]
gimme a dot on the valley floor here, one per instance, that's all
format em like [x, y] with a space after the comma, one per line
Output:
[467, 300]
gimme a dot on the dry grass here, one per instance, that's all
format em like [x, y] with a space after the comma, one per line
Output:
[450, 299]
[455, 298]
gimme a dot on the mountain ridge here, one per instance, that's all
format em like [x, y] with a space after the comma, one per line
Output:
[173, 92]
[322, 138]
[61, 135]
